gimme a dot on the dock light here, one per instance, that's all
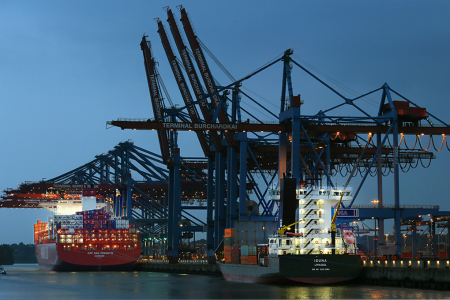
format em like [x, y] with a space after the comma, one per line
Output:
[422, 134]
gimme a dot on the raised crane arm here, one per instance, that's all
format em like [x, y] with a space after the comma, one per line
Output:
[205, 73]
[186, 95]
[157, 101]
[193, 77]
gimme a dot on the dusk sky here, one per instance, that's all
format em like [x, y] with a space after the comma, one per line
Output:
[67, 67]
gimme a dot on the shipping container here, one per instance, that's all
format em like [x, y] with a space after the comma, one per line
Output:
[244, 250]
[227, 258]
[252, 260]
[244, 260]
[229, 232]
[263, 249]
[235, 259]
[228, 241]
[227, 250]
[235, 250]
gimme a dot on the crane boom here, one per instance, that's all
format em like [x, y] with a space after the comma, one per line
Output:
[233, 127]
[193, 77]
[283, 229]
[157, 101]
[205, 72]
[186, 95]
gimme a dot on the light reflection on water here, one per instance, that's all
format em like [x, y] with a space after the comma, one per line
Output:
[28, 282]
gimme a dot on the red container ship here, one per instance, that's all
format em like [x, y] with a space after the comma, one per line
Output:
[72, 243]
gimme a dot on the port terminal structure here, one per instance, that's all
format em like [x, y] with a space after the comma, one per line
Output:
[242, 160]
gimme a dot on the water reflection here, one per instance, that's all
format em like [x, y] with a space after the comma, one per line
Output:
[28, 282]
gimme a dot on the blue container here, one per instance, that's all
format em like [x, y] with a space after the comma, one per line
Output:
[244, 250]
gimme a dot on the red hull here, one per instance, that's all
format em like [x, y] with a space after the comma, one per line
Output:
[53, 257]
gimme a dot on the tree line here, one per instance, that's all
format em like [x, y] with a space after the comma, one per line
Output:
[17, 253]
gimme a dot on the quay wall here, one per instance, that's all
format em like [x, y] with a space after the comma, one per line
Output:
[425, 274]
[401, 273]
[189, 267]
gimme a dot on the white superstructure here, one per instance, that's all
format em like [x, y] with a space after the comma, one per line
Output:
[313, 233]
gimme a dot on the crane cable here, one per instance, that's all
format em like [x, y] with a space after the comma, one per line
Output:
[372, 102]
[442, 144]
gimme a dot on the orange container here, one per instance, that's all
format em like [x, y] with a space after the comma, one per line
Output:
[252, 260]
[227, 250]
[39, 221]
[227, 258]
[229, 232]
[245, 260]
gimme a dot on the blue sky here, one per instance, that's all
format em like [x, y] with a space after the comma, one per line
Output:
[70, 66]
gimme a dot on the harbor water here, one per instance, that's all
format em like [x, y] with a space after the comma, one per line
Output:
[28, 282]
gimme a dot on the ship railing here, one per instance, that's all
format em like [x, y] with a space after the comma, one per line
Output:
[314, 217]
[156, 261]
[193, 262]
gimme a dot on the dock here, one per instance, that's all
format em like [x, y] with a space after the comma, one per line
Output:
[424, 273]
[201, 267]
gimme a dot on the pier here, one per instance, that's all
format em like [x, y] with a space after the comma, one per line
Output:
[428, 274]
[201, 267]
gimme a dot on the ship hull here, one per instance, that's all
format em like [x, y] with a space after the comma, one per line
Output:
[311, 269]
[52, 257]
[251, 273]
[320, 269]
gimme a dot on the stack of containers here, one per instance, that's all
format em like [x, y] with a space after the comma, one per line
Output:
[95, 219]
[236, 254]
[228, 242]
[95, 226]
[40, 232]
[248, 255]
[263, 251]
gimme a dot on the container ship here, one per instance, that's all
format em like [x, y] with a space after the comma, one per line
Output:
[91, 240]
[301, 251]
